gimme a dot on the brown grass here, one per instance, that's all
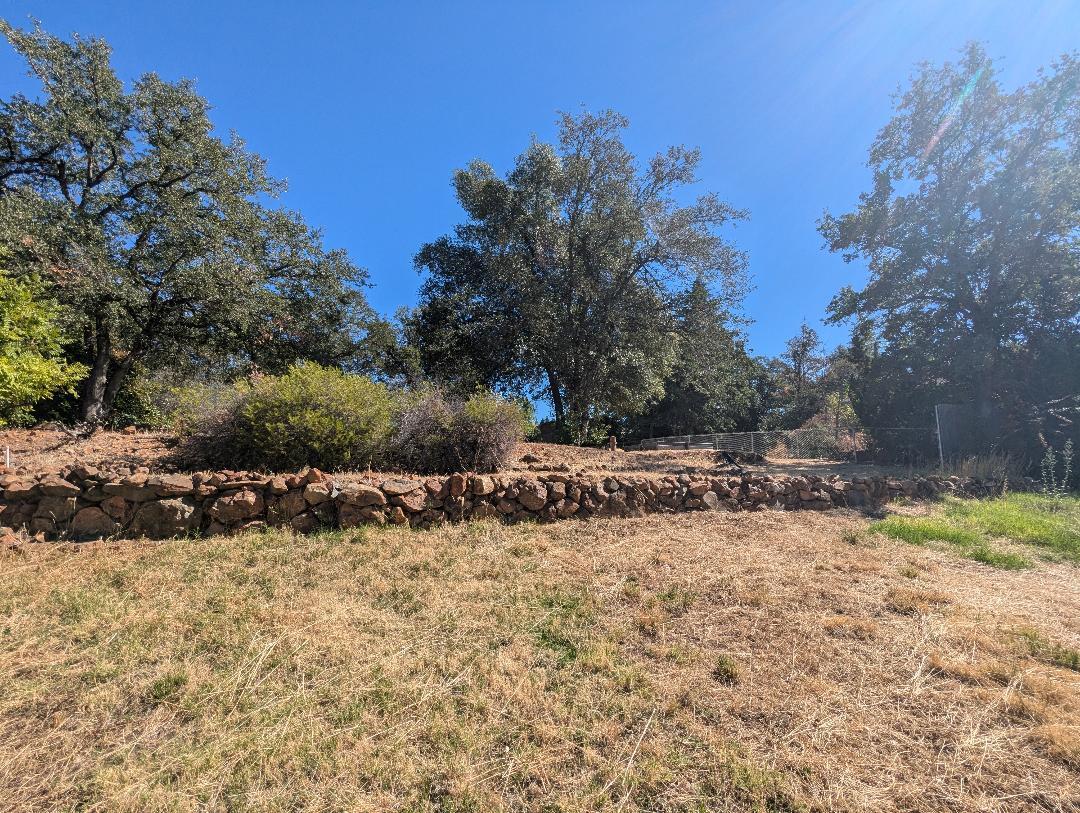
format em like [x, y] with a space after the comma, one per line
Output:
[677, 663]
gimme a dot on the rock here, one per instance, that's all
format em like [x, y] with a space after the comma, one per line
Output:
[162, 519]
[19, 490]
[58, 509]
[319, 492]
[55, 486]
[132, 488]
[361, 494]
[566, 508]
[484, 510]
[278, 486]
[710, 500]
[292, 503]
[411, 500]
[117, 507]
[350, 516]
[532, 495]
[237, 506]
[171, 485]
[482, 485]
[397, 516]
[456, 485]
[305, 523]
[530, 458]
[93, 523]
[393, 488]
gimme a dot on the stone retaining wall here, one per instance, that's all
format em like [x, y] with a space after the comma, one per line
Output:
[81, 503]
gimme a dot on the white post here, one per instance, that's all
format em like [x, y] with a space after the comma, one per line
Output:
[7, 457]
[940, 451]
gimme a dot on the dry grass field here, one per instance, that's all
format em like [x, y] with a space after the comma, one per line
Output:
[693, 662]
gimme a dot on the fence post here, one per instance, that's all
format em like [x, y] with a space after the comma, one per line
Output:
[752, 442]
[937, 424]
[854, 450]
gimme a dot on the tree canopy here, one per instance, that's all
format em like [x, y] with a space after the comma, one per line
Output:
[970, 234]
[562, 279]
[153, 231]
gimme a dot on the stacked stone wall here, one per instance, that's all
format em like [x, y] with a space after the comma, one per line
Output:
[81, 503]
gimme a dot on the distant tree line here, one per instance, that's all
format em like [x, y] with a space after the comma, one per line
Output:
[583, 278]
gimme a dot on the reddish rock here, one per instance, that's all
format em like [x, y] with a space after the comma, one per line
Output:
[361, 494]
[305, 523]
[411, 500]
[319, 492]
[456, 485]
[532, 495]
[171, 485]
[237, 506]
[53, 485]
[93, 523]
[481, 485]
[162, 519]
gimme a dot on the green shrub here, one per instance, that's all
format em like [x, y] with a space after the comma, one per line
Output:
[311, 416]
[439, 433]
[32, 367]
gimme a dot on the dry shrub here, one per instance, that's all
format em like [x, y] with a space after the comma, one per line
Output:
[438, 433]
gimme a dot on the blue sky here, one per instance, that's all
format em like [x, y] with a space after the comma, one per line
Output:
[367, 108]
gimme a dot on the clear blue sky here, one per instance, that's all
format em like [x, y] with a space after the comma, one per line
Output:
[367, 108]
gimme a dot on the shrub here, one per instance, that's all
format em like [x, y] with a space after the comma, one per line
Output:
[311, 416]
[439, 433]
[32, 367]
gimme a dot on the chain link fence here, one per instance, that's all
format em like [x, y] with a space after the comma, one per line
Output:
[880, 444]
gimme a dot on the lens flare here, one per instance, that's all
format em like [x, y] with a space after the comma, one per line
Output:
[950, 112]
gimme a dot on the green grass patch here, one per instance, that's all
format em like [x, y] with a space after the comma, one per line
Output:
[1050, 526]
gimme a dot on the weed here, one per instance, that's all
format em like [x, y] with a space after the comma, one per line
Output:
[166, 686]
[726, 670]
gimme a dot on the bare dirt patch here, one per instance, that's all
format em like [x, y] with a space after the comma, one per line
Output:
[767, 661]
[36, 450]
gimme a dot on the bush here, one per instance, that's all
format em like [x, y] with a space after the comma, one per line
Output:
[311, 416]
[32, 367]
[439, 433]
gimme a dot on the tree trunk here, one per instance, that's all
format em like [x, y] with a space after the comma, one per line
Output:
[92, 402]
[556, 399]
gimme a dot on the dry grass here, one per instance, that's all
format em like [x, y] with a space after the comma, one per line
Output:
[677, 663]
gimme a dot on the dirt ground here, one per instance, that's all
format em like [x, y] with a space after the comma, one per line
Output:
[35, 450]
[736, 662]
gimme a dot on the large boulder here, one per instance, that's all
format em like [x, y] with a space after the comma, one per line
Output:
[162, 519]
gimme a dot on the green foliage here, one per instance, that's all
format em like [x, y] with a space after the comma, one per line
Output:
[311, 416]
[710, 387]
[32, 367]
[796, 391]
[1050, 526]
[969, 231]
[152, 231]
[1052, 486]
[562, 279]
[437, 432]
